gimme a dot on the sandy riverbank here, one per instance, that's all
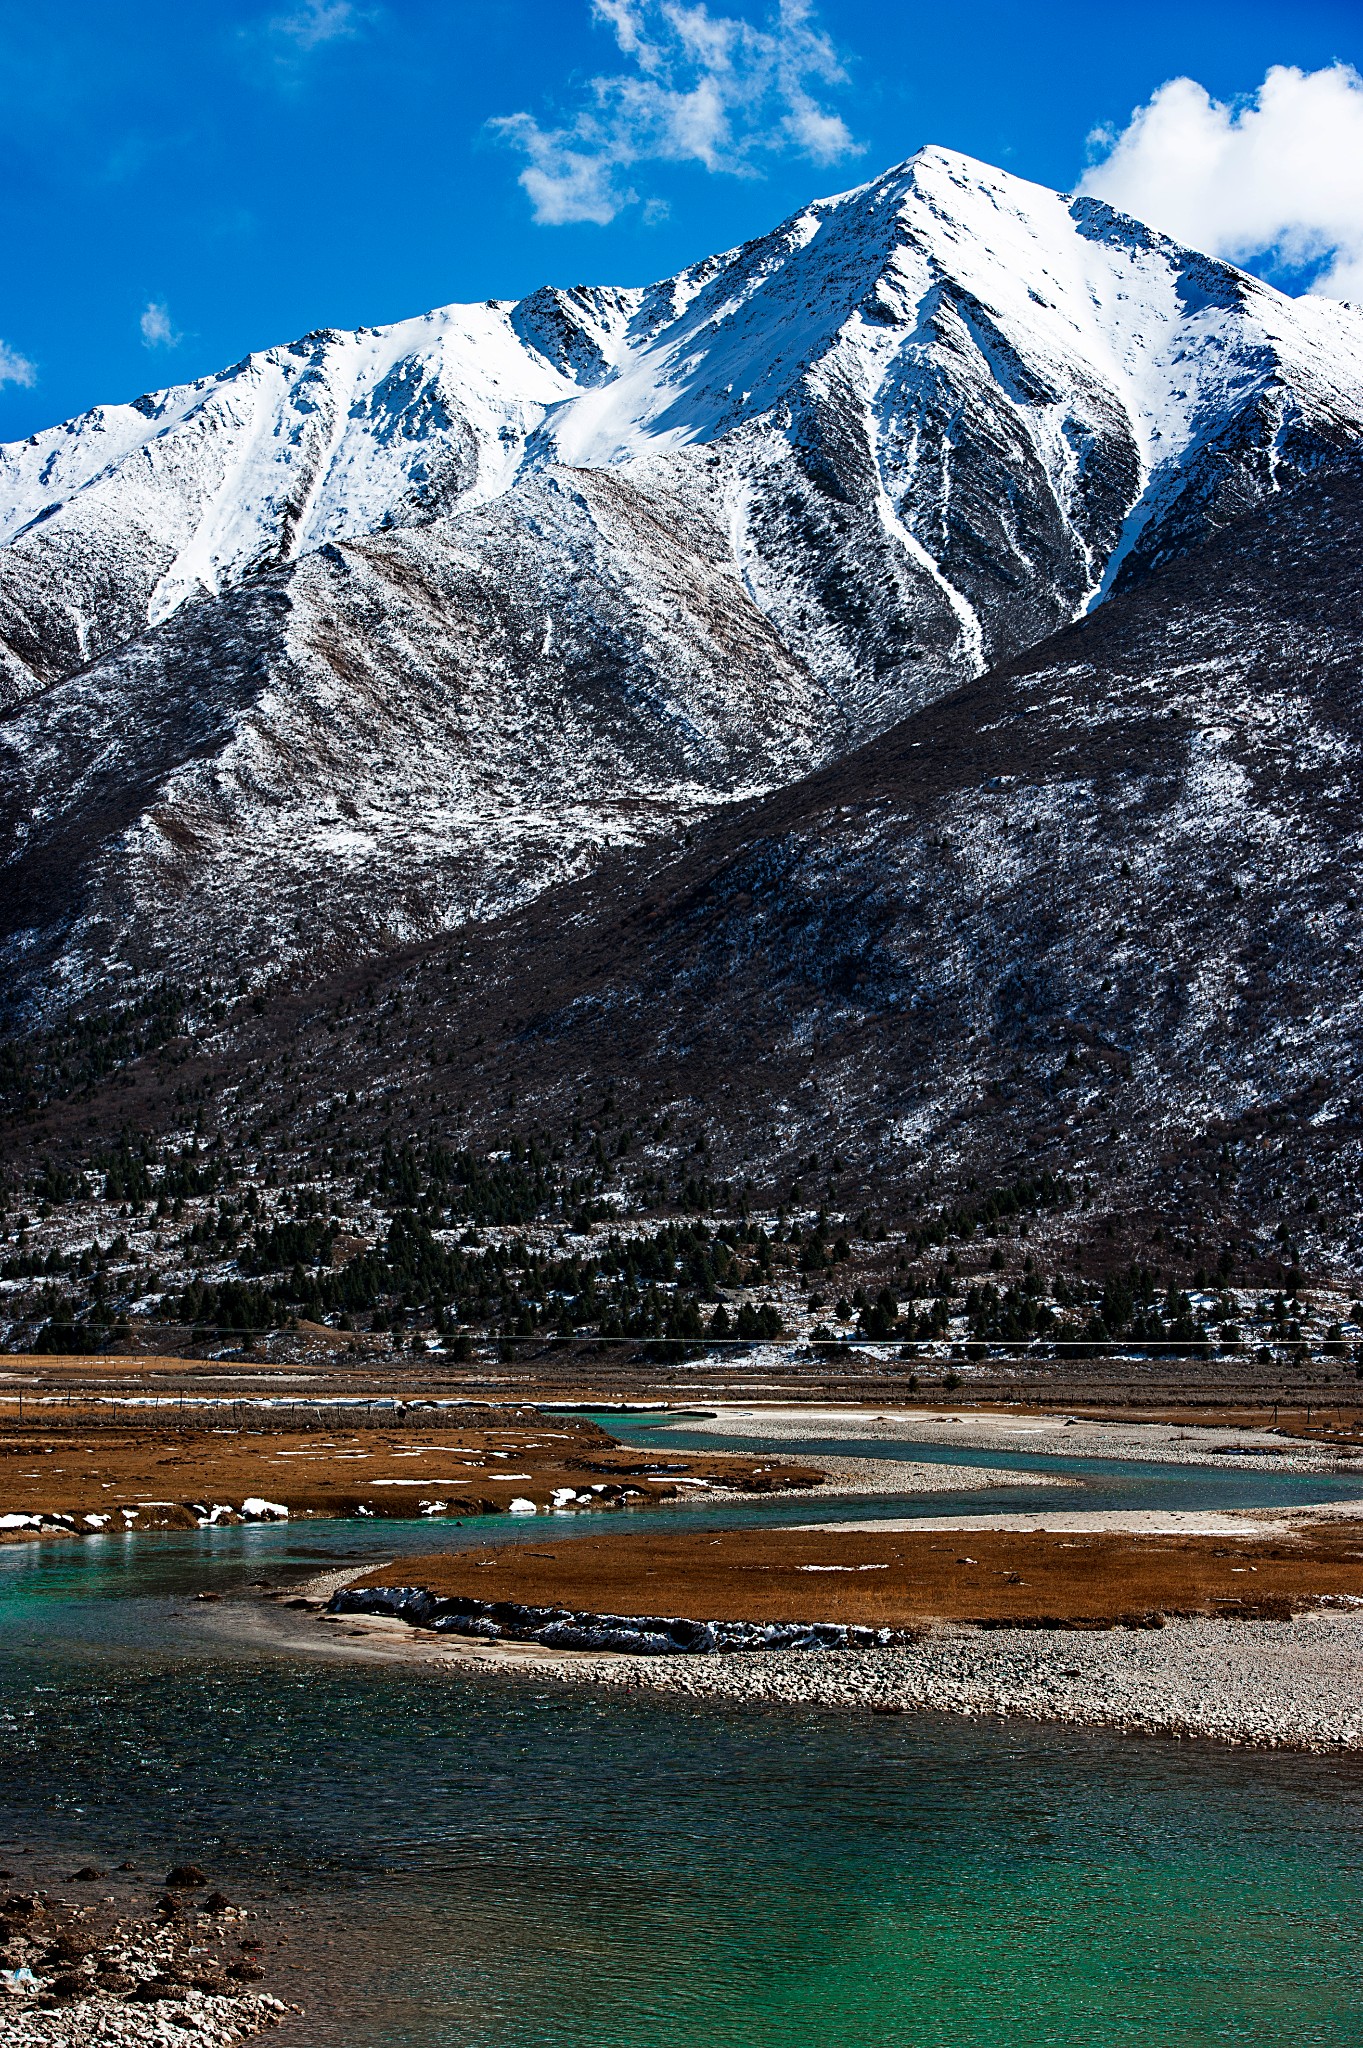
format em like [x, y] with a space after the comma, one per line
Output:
[1164, 1442]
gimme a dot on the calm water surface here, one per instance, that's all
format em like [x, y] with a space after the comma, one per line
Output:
[488, 1862]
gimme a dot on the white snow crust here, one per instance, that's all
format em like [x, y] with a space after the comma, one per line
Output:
[1084, 321]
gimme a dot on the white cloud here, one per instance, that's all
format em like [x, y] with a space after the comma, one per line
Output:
[623, 17]
[1279, 175]
[14, 368]
[319, 21]
[715, 90]
[157, 331]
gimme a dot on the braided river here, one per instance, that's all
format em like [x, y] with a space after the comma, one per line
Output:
[491, 1860]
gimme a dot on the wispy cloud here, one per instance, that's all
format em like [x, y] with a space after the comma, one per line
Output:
[14, 368]
[157, 331]
[717, 90]
[1278, 175]
[315, 22]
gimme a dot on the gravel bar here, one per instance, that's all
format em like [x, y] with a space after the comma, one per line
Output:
[1161, 1443]
[1288, 1685]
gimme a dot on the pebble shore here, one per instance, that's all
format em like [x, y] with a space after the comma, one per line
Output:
[1162, 1443]
[82, 1977]
[196, 2021]
[1292, 1685]
[906, 1475]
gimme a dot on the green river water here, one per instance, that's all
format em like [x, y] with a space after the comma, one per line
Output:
[493, 1862]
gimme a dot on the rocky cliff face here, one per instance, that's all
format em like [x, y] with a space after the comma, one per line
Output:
[377, 633]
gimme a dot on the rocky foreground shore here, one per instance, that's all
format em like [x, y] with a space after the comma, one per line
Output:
[102, 1975]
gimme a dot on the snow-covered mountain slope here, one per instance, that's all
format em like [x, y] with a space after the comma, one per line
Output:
[389, 737]
[111, 521]
[1011, 386]
[1098, 913]
[376, 632]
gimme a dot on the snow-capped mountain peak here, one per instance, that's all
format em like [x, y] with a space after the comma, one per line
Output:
[376, 631]
[941, 289]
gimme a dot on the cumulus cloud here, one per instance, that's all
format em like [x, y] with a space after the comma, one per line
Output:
[717, 90]
[14, 368]
[157, 331]
[1278, 175]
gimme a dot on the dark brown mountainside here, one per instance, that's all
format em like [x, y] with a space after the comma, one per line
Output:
[1096, 915]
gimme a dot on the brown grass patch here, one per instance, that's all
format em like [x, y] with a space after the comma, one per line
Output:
[77, 1467]
[988, 1577]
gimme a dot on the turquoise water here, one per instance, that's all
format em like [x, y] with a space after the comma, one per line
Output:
[1107, 1482]
[490, 1862]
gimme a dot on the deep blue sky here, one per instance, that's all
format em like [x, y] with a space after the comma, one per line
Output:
[185, 153]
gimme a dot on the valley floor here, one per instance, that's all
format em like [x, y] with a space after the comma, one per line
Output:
[1216, 1669]
[86, 1471]
[1241, 1623]
[1243, 1626]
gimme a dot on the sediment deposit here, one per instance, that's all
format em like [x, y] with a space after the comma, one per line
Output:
[1247, 1638]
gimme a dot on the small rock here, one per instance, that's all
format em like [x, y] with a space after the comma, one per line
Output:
[87, 1874]
[184, 1877]
[153, 1989]
[68, 1948]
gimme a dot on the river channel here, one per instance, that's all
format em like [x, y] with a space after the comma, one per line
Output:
[496, 1862]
